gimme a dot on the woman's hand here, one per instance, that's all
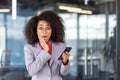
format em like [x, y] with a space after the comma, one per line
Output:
[65, 57]
[44, 45]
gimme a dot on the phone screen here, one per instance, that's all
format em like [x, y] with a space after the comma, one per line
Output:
[67, 49]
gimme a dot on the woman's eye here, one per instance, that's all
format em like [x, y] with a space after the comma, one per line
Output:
[48, 28]
[40, 28]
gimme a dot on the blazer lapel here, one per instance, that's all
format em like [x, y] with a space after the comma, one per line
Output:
[36, 49]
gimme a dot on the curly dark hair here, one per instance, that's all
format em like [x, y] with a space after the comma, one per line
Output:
[51, 17]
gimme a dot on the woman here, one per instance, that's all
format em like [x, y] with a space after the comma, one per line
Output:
[45, 36]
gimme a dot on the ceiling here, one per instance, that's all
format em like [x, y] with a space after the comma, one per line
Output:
[96, 6]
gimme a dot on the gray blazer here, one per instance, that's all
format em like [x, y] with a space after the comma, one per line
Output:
[36, 61]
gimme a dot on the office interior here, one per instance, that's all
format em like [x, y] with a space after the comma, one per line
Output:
[91, 28]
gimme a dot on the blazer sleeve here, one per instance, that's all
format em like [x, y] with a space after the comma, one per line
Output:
[64, 70]
[35, 63]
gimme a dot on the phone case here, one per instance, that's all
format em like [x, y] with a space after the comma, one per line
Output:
[66, 49]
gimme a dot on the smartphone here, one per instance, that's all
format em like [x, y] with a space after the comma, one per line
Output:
[67, 49]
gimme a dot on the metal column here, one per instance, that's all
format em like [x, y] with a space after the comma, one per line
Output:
[118, 40]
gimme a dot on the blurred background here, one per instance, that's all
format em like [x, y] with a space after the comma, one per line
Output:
[92, 29]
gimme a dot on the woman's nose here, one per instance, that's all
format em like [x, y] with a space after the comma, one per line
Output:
[44, 30]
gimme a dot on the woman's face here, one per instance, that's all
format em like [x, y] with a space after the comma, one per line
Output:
[44, 30]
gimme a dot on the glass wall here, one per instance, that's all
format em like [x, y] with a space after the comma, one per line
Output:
[91, 56]
[92, 37]
[12, 66]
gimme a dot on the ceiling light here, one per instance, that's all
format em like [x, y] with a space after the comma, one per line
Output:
[5, 10]
[74, 9]
[14, 9]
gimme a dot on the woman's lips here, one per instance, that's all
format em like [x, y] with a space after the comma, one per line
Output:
[44, 37]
